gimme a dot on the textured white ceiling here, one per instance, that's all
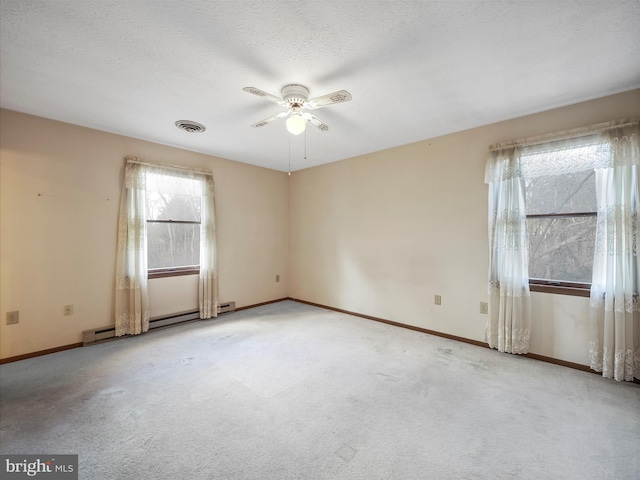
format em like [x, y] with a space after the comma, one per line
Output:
[416, 69]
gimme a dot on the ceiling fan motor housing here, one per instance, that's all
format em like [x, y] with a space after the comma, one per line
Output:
[295, 95]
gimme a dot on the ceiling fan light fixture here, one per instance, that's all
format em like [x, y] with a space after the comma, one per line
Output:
[296, 124]
[295, 97]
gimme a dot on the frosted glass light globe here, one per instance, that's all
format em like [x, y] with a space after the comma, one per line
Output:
[296, 124]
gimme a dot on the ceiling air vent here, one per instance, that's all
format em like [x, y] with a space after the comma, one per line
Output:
[190, 126]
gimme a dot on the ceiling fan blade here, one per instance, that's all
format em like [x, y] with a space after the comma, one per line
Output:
[265, 95]
[329, 99]
[316, 122]
[270, 119]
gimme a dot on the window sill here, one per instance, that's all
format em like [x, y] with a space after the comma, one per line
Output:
[172, 272]
[560, 288]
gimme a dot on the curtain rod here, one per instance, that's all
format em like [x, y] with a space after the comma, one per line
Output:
[132, 159]
[565, 134]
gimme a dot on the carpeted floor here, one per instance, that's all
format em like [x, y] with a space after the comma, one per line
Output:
[290, 391]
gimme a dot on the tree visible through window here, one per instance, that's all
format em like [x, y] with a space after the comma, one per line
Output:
[561, 213]
[173, 229]
[561, 221]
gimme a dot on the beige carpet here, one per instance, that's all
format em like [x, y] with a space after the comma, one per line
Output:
[290, 391]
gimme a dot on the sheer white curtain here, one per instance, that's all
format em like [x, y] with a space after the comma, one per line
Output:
[615, 304]
[132, 298]
[612, 150]
[509, 321]
[208, 280]
[132, 303]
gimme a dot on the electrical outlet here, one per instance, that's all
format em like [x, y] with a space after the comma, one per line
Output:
[437, 299]
[484, 308]
[68, 310]
[277, 278]
[12, 318]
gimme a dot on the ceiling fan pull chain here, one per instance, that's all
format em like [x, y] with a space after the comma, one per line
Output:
[289, 137]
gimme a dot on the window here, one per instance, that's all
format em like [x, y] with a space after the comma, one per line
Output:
[561, 212]
[561, 221]
[166, 226]
[173, 225]
[563, 218]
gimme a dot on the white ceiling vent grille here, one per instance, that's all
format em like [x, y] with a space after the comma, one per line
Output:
[190, 126]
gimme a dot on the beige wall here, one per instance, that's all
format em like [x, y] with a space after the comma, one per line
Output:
[60, 188]
[381, 234]
[378, 234]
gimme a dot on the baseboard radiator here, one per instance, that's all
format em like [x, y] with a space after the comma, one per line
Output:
[96, 335]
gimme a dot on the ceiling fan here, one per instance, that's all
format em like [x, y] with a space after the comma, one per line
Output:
[295, 98]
